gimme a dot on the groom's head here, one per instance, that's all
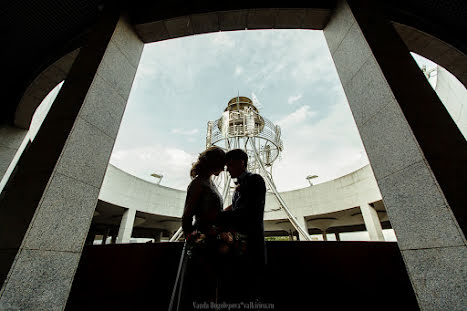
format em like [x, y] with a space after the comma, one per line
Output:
[236, 161]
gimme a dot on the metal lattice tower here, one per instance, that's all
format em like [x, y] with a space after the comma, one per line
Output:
[242, 127]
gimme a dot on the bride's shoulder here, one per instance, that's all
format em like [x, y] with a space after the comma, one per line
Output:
[196, 184]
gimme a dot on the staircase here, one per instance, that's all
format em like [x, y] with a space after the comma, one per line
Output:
[299, 276]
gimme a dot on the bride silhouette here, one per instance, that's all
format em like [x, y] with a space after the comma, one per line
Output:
[203, 203]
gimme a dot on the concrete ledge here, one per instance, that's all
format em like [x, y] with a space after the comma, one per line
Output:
[264, 18]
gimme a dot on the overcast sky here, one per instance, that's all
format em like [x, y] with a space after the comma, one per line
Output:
[183, 83]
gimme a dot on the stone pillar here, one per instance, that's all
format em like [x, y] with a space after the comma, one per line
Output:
[338, 237]
[290, 235]
[158, 237]
[49, 203]
[105, 236]
[415, 149]
[325, 236]
[372, 223]
[126, 226]
[11, 140]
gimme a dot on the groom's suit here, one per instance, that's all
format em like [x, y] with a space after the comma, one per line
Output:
[246, 215]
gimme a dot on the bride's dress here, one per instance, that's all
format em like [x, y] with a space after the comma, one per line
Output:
[209, 204]
[203, 266]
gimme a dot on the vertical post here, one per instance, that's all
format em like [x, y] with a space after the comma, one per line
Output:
[325, 236]
[126, 226]
[157, 237]
[338, 237]
[105, 236]
[415, 149]
[372, 223]
[49, 203]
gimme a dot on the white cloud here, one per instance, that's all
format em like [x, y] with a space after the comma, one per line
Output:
[293, 99]
[296, 117]
[238, 70]
[256, 101]
[205, 71]
[330, 147]
[185, 132]
[173, 163]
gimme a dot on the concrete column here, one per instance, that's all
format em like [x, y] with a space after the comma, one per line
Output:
[126, 226]
[158, 237]
[338, 237]
[290, 235]
[106, 235]
[48, 205]
[325, 236]
[372, 223]
[415, 149]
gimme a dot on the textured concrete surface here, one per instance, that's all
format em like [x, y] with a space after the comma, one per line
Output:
[412, 144]
[87, 154]
[73, 202]
[41, 280]
[439, 276]
[423, 222]
[41, 276]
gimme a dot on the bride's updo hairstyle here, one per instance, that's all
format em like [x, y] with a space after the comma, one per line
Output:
[208, 161]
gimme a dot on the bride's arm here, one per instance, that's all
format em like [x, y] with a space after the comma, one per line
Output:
[192, 196]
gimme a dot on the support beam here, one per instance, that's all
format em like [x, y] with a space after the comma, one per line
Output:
[48, 204]
[126, 226]
[415, 149]
[302, 221]
[372, 223]
[105, 236]
[325, 235]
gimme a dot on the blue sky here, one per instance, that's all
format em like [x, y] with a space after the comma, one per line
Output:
[183, 83]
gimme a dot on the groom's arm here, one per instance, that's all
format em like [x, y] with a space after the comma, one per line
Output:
[252, 206]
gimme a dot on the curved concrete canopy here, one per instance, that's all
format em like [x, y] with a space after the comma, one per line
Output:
[45, 82]
[341, 196]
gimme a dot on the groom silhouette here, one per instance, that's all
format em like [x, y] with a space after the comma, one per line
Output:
[245, 216]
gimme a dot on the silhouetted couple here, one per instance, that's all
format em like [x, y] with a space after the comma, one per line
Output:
[227, 252]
